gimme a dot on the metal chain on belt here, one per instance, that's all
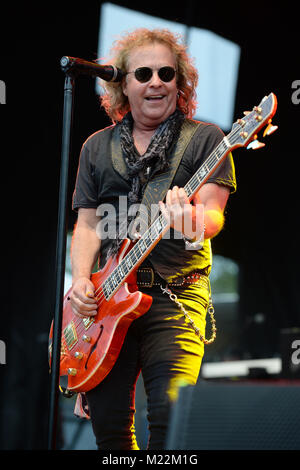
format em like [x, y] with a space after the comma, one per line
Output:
[211, 311]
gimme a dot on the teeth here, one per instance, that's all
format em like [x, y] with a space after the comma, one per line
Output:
[154, 97]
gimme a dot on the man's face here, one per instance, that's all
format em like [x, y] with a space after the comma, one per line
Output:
[154, 101]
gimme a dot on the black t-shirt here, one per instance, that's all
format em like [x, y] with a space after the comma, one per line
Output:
[102, 183]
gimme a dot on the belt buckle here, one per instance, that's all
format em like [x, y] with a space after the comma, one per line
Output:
[148, 270]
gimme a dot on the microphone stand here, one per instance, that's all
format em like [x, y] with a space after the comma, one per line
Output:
[60, 256]
[70, 66]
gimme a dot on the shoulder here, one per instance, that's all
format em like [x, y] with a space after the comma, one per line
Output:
[99, 136]
[206, 129]
[206, 136]
[98, 144]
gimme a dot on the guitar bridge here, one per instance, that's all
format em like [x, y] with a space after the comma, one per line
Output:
[88, 322]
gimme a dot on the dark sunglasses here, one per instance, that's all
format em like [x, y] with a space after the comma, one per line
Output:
[144, 74]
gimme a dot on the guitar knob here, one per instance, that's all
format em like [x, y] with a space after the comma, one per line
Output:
[78, 355]
[255, 145]
[270, 128]
[244, 135]
[72, 371]
[257, 109]
[86, 338]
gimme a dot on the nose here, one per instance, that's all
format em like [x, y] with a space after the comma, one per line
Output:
[155, 80]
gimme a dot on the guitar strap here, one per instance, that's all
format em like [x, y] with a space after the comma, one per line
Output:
[156, 188]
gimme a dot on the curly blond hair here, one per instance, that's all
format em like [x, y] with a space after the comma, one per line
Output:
[113, 99]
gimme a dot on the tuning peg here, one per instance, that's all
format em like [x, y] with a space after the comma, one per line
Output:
[255, 144]
[270, 128]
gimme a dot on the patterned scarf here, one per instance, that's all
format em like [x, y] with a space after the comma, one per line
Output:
[155, 158]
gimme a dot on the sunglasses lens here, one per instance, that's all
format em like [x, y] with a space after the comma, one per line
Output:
[143, 74]
[166, 74]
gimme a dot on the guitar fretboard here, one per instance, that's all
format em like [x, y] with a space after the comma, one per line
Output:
[207, 167]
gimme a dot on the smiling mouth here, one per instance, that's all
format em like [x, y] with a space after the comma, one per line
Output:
[154, 98]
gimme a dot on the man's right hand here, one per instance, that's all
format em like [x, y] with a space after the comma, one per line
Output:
[82, 298]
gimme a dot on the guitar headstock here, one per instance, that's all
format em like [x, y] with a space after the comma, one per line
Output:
[244, 130]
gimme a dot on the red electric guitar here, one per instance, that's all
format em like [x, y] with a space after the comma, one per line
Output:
[90, 346]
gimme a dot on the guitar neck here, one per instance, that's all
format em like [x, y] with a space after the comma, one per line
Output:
[241, 134]
[160, 226]
[208, 167]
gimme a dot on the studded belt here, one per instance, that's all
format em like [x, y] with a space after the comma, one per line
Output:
[147, 277]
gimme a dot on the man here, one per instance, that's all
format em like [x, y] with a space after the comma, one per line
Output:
[150, 109]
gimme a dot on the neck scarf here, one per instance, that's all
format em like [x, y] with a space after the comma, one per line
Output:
[155, 157]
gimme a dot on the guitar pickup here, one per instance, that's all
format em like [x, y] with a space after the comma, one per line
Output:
[70, 335]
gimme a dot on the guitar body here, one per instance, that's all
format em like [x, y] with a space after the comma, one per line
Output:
[90, 346]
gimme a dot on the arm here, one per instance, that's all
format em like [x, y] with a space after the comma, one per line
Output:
[84, 252]
[214, 198]
[208, 204]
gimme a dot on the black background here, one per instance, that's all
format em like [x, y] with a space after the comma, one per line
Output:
[261, 231]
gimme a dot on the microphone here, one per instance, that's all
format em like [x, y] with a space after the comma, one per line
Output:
[109, 73]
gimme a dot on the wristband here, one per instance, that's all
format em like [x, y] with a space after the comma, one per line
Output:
[197, 244]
